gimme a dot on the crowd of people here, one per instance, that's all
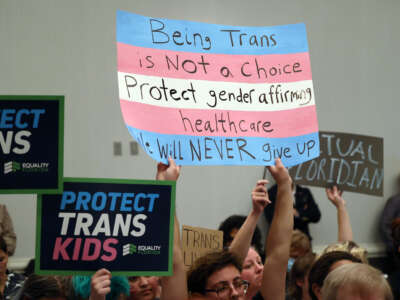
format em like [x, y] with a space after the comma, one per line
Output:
[285, 267]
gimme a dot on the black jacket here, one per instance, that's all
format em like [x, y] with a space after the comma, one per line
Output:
[305, 205]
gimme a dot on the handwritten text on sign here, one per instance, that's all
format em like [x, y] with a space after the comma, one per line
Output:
[124, 226]
[353, 162]
[215, 94]
[197, 242]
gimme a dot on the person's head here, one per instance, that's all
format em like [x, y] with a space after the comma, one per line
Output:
[300, 244]
[231, 225]
[217, 276]
[298, 277]
[252, 271]
[351, 247]
[156, 284]
[3, 256]
[356, 281]
[396, 235]
[141, 288]
[323, 266]
[38, 287]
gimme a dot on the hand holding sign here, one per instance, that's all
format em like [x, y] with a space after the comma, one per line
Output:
[280, 173]
[168, 172]
[100, 285]
[259, 196]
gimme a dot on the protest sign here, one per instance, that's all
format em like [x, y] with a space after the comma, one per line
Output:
[31, 144]
[197, 241]
[125, 226]
[209, 94]
[351, 161]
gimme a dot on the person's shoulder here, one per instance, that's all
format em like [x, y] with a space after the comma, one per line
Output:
[394, 198]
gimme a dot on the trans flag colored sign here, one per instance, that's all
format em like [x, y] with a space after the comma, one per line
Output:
[208, 94]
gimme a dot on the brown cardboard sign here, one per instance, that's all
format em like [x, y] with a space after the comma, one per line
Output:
[198, 241]
[353, 162]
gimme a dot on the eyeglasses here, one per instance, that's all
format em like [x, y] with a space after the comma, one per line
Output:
[224, 289]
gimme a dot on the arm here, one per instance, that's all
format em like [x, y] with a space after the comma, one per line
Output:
[241, 243]
[173, 287]
[345, 233]
[279, 236]
[100, 285]
[8, 232]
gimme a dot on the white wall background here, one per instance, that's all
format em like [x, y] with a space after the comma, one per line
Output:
[69, 48]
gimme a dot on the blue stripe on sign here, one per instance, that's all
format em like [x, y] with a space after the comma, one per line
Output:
[195, 150]
[198, 37]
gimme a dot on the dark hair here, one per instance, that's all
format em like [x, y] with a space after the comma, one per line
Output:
[3, 245]
[207, 265]
[36, 287]
[235, 222]
[299, 270]
[322, 267]
[30, 268]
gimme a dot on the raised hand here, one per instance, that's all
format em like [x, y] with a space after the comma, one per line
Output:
[335, 196]
[280, 173]
[259, 196]
[100, 285]
[168, 172]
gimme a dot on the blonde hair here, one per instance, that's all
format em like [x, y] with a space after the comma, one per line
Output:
[350, 247]
[358, 278]
[300, 242]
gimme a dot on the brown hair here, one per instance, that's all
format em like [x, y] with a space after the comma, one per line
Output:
[36, 287]
[322, 267]
[207, 265]
[298, 272]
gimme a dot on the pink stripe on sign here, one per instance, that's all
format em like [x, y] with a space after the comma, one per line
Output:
[213, 67]
[205, 122]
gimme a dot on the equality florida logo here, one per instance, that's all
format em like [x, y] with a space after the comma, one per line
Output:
[129, 249]
[27, 167]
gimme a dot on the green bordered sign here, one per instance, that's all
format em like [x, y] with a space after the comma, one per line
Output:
[31, 144]
[125, 226]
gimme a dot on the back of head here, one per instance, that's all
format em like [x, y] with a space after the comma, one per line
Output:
[207, 265]
[350, 247]
[37, 287]
[355, 279]
[300, 269]
[235, 222]
[322, 266]
[300, 244]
